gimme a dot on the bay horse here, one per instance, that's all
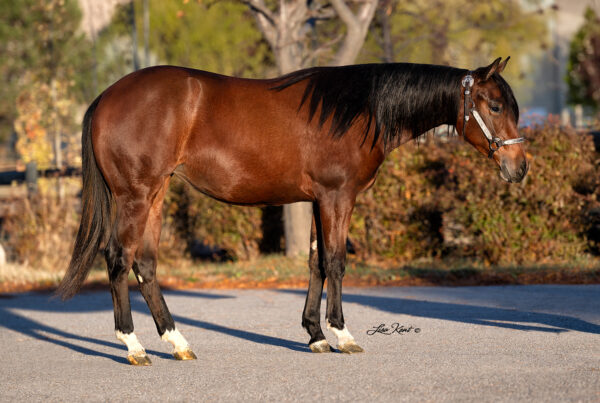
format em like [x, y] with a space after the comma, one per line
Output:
[316, 135]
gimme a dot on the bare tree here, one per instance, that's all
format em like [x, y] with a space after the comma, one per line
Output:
[289, 27]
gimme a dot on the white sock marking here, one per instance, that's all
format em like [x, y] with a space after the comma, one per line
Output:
[320, 343]
[176, 339]
[131, 341]
[313, 245]
[343, 335]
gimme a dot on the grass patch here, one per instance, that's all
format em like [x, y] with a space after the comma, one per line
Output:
[277, 271]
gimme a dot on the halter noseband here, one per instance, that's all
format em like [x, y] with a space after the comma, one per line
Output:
[469, 107]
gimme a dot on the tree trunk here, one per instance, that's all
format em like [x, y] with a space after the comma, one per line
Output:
[297, 218]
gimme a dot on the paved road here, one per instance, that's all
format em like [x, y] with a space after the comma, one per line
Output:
[521, 343]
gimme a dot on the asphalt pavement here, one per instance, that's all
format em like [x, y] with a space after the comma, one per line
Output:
[504, 343]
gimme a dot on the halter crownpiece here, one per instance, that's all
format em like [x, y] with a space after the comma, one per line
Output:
[495, 142]
[467, 83]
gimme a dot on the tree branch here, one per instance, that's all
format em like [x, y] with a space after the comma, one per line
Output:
[267, 21]
[259, 7]
[345, 14]
[308, 60]
[356, 29]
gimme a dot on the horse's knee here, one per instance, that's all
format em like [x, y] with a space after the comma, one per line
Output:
[335, 268]
[145, 270]
[117, 272]
[110, 254]
[119, 261]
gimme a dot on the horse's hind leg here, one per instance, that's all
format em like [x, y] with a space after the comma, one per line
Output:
[144, 267]
[119, 259]
[311, 317]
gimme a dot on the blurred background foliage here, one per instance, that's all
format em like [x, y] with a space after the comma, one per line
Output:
[221, 38]
[40, 44]
[431, 201]
[583, 75]
[459, 32]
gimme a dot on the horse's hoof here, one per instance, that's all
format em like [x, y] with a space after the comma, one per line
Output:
[320, 346]
[351, 348]
[184, 355]
[141, 360]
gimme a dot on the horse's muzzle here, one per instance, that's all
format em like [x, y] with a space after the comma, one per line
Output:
[511, 172]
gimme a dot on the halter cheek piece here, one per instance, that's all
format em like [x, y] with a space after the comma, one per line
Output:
[495, 142]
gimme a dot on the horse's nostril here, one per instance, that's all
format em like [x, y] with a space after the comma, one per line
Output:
[524, 168]
[504, 172]
[513, 171]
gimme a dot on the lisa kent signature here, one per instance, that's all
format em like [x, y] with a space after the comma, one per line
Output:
[394, 328]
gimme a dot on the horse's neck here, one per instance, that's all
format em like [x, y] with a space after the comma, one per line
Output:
[407, 136]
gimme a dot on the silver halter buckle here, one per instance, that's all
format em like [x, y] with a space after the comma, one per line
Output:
[468, 82]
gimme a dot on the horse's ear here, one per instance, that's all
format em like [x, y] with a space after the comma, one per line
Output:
[491, 69]
[502, 65]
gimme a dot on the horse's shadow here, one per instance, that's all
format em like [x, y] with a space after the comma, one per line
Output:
[37, 330]
[518, 319]
[20, 323]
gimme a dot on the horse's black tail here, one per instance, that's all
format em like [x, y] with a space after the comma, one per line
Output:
[96, 215]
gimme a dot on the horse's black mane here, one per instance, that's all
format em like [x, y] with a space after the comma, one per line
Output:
[395, 97]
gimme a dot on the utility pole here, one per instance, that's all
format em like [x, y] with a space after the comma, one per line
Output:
[146, 7]
[136, 61]
[93, 35]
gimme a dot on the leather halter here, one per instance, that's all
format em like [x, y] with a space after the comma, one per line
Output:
[495, 142]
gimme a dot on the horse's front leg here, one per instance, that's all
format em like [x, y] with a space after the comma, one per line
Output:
[335, 213]
[311, 316]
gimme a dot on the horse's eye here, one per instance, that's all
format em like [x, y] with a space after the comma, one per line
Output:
[495, 108]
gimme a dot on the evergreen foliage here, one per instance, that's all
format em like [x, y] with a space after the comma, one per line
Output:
[583, 73]
[39, 41]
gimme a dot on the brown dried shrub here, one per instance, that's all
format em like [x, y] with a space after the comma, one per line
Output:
[39, 231]
[441, 200]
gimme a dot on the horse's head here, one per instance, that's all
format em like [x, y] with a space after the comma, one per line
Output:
[491, 113]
